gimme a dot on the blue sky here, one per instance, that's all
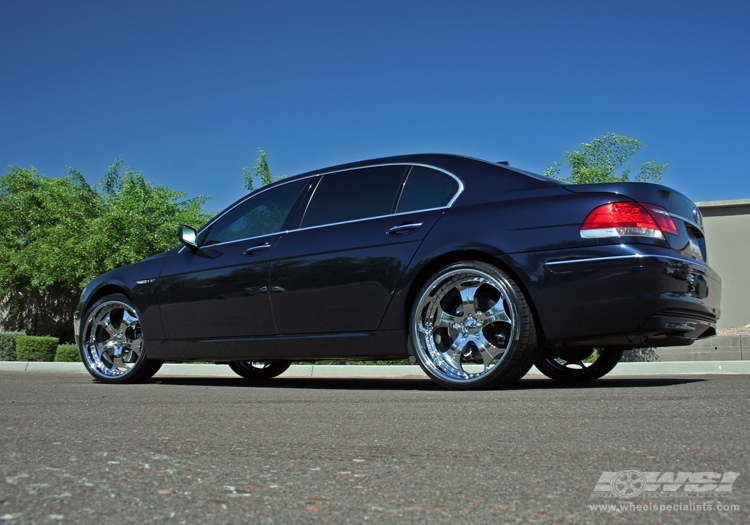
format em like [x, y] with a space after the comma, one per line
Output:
[186, 91]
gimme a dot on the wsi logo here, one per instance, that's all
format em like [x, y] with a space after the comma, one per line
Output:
[631, 483]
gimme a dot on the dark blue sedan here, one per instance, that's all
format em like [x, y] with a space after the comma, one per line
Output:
[475, 270]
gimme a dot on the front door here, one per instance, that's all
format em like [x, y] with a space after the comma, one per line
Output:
[221, 289]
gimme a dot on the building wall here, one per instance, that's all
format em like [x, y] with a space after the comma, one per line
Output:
[727, 225]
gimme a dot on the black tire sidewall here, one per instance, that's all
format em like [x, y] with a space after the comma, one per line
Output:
[599, 368]
[274, 368]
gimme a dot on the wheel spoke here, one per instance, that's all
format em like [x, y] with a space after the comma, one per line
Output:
[453, 360]
[468, 296]
[134, 345]
[444, 319]
[459, 345]
[128, 321]
[107, 324]
[495, 314]
[488, 351]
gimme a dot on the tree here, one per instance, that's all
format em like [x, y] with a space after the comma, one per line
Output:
[600, 160]
[142, 216]
[41, 253]
[56, 234]
[260, 170]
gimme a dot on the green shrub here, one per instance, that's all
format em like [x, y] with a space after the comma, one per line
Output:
[34, 348]
[8, 345]
[67, 354]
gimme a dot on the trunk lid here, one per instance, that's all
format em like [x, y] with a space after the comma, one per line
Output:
[691, 239]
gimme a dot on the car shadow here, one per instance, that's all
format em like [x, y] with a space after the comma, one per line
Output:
[318, 383]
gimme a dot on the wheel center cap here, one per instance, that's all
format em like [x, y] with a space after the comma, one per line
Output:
[471, 325]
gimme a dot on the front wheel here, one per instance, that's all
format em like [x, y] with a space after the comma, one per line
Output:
[259, 370]
[577, 364]
[472, 328]
[111, 342]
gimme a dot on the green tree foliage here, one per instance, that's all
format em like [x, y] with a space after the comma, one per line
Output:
[260, 170]
[600, 160]
[144, 216]
[56, 234]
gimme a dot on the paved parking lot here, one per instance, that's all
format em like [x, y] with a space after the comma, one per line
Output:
[216, 450]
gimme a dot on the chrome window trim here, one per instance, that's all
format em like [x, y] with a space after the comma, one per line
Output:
[634, 257]
[322, 174]
[365, 219]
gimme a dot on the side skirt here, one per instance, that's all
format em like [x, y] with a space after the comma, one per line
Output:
[390, 344]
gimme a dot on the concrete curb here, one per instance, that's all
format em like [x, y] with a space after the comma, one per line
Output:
[393, 371]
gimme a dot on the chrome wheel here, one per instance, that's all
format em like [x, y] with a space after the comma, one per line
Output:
[112, 342]
[471, 327]
[259, 369]
[579, 364]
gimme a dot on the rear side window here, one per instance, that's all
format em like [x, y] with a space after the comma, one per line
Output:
[354, 194]
[259, 215]
[426, 188]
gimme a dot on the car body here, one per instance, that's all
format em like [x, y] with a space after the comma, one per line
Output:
[474, 269]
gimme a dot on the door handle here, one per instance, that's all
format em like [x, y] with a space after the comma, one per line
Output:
[403, 229]
[257, 250]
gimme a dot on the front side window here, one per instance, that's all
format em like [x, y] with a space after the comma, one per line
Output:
[260, 215]
[426, 188]
[354, 194]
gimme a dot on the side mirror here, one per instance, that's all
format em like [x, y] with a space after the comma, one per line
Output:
[188, 236]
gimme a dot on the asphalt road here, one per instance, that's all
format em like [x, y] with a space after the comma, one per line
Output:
[217, 450]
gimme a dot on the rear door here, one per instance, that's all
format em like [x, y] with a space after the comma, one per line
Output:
[338, 272]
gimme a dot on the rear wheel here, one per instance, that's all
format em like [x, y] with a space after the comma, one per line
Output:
[579, 364]
[472, 328]
[111, 342]
[259, 370]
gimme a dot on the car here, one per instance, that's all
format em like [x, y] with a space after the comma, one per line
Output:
[475, 270]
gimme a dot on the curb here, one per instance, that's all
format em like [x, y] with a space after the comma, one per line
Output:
[392, 371]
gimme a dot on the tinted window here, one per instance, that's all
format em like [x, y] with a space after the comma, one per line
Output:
[260, 215]
[354, 194]
[426, 188]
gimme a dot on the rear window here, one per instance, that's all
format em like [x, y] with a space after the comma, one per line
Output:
[354, 194]
[426, 188]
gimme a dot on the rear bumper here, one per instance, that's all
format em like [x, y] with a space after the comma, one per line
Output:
[626, 296]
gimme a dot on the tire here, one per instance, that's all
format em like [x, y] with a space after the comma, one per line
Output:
[111, 342]
[259, 370]
[571, 366]
[471, 327]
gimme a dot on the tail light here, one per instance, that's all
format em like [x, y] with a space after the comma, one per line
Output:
[621, 219]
